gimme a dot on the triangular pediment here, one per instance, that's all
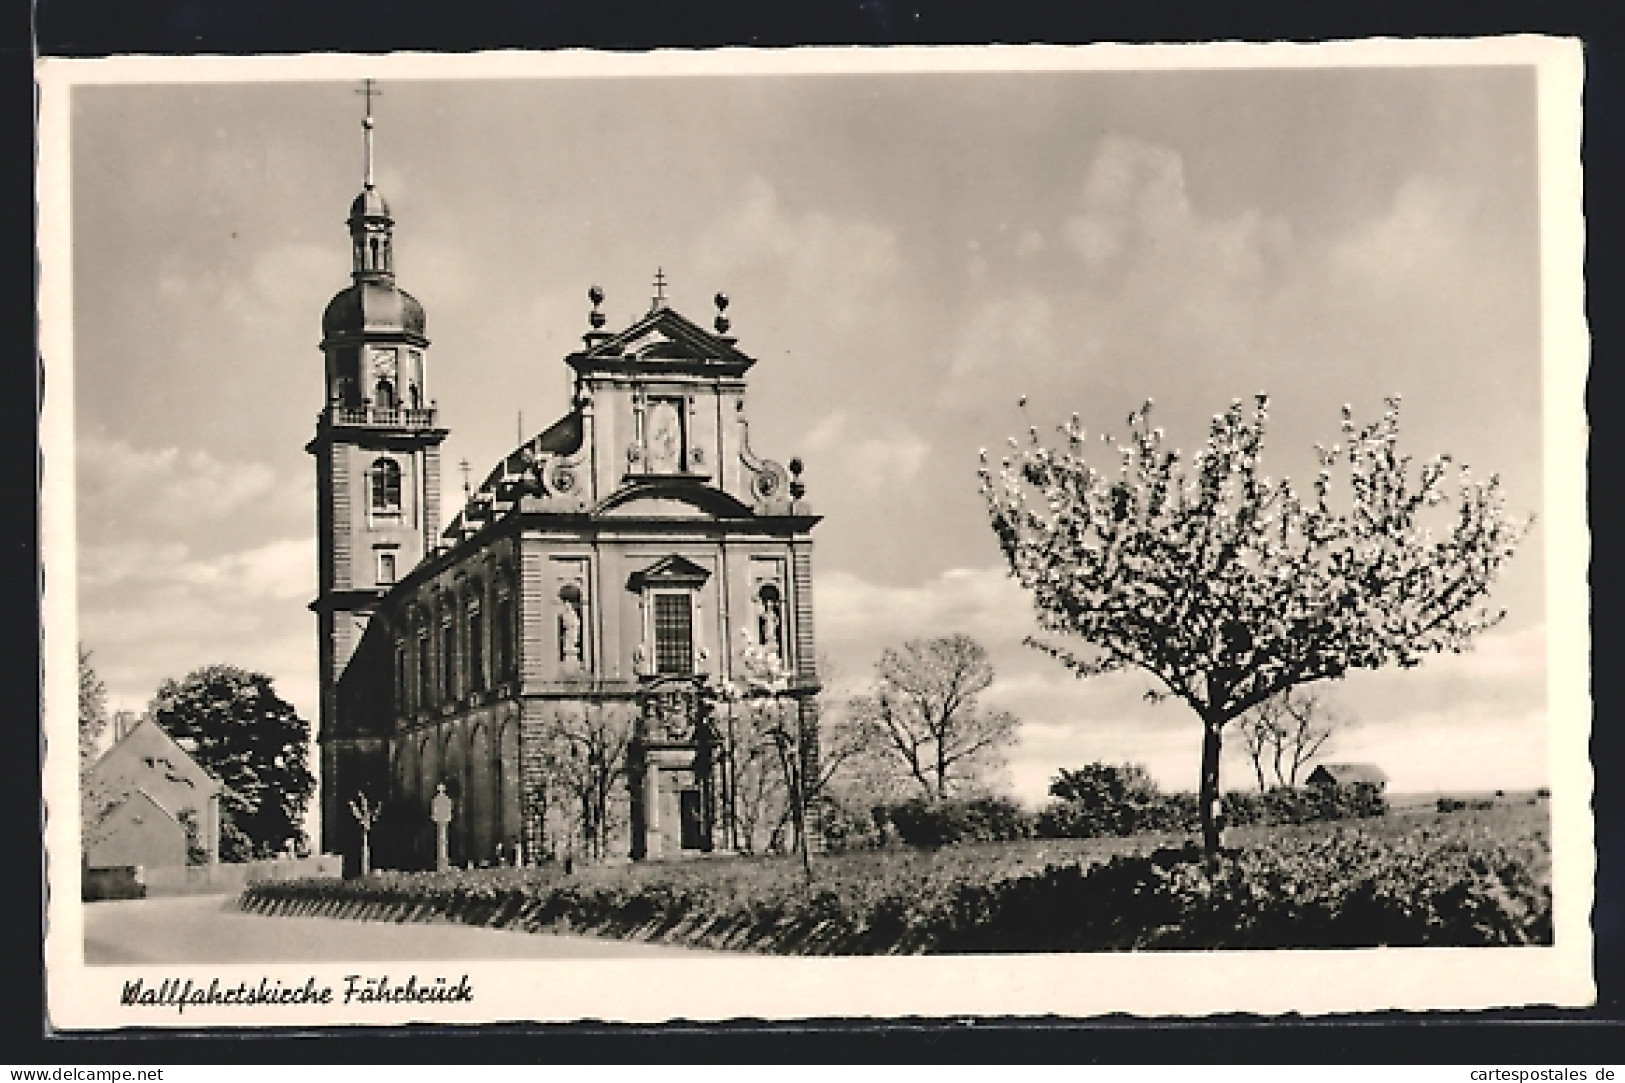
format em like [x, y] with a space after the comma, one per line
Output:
[669, 571]
[665, 337]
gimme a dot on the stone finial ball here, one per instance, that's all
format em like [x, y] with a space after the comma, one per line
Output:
[722, 301]
[595, 295]
[795, 465]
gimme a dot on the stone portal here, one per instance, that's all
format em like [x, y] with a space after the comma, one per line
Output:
[673, 768]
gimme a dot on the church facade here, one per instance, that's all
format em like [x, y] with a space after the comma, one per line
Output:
[608, 570]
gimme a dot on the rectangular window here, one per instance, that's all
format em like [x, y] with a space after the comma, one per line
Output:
[386, 569]
[476, 649]
[674, 634]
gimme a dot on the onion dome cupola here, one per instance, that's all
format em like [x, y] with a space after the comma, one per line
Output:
[373, 323]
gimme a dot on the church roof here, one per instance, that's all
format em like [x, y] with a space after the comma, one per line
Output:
[372, 306]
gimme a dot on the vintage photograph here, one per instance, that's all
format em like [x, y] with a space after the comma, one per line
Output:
[829, 532]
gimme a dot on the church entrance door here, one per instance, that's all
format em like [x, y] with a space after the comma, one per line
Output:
[689, 818]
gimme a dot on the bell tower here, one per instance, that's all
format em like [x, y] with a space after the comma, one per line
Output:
[377, 452]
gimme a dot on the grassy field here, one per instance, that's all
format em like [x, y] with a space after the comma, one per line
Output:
[1414, 876]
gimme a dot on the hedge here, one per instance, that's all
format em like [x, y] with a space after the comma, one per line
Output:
[1344, 888]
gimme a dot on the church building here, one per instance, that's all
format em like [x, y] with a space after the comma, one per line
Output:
[612, 566]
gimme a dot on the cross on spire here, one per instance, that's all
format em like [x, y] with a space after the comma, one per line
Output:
[369, 89]
[660, 288]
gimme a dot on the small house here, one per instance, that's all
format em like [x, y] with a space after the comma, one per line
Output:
[146, 802]
[1334, 775]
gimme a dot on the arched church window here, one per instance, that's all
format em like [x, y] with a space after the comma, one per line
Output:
[386, 485]
[425, 669]
[448, 658]
[383, 395]
[502, 632]
[770, 619]
[476, 642]
[400, 676]
[374, 264]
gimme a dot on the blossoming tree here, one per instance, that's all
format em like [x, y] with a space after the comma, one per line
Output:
[1228, 587]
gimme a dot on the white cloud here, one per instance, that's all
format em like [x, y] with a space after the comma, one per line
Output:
[121, 485]
[1416, 245]
[983, 602]
[1018, 328]
[1137, 218]
[1445, 751]
[1496, 655]
[819, 261]
[871, 456]
[155, 610]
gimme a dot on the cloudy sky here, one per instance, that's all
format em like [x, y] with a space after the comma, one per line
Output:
[906, 254]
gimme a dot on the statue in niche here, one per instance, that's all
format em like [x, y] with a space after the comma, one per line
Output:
[768, 619]
[570, 625]
[665, 444]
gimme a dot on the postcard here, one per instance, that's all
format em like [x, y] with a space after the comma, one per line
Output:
[813, 533]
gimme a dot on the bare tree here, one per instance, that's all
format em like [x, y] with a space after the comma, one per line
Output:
[1288, 732]
[1229, 588]
[366, 813]
[589, 754]
[924, 717]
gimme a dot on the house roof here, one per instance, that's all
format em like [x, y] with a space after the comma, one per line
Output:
[1347, 774]
[148, 760]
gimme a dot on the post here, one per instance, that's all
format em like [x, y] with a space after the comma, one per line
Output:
[440, 813]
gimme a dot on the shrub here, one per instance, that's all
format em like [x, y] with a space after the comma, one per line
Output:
[1103, 800]
[923, 821]
[844, 829]
[113, 882]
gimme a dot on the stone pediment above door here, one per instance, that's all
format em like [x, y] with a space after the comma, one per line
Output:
[671, 571]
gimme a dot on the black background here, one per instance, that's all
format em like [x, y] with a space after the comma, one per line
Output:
[88, 28]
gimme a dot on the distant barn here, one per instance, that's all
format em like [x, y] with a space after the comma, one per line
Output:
[1331, 775]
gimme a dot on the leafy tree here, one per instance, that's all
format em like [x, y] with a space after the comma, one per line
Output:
[1288, 731]
[924, 718]
[233, 723]
[1230, 588]
[92, 711]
